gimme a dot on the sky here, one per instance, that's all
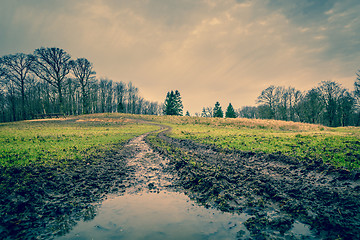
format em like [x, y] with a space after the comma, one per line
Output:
[209, 50]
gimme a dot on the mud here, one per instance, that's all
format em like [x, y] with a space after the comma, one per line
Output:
[43, 202]
[147, 170]
[281, 195]
[47, 202]
[277, 190]
[152, 207]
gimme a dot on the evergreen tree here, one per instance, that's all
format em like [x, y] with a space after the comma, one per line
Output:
[187, 114]
[217, 111]
[357, 84]
[168, 105]
[173, 104]
[230, 112]
[178, 104]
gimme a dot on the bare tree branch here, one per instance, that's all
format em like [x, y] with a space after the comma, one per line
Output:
[83, 72]
[15, 68]
[52, 66]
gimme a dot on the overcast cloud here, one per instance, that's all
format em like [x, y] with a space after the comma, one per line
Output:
[210, 50]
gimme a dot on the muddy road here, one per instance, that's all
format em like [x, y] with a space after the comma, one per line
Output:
[146, 169]
[278, 193]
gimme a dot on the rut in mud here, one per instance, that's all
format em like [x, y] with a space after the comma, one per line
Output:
[276, 190]
[152, 207]
[146, 168]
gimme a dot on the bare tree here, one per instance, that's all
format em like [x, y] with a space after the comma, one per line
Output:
[268, 99]
[207, 112]
[357, 84]
[83, 72]
[15, 68]
[94, 96]
[248, 112]
[345, 108]
[280, 103]
[3, 102]
[332, 94]
[139, 105]
[285, 103]
[312, 107]
[357, 90]
[52, 66]
[132, 97]
[295, 97]
[120, 91]
[71, 89]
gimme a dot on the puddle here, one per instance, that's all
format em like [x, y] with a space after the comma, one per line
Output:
[164, 215]
[151, 209]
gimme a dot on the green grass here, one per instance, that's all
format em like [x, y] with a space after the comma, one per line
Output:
[52, 142]
[59, 141]
[337, 146]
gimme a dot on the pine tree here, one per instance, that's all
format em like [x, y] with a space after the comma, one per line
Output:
[168, 105]
[173, 104]
[178, 104]
[230, 112]
[357, 86]
[218, 111]
[187, 114]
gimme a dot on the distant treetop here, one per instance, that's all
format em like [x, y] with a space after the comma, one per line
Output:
[173, 104]
[230, 112]
[217, 111]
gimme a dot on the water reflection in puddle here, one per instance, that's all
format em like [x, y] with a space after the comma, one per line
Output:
[164, 215]
[167, 214]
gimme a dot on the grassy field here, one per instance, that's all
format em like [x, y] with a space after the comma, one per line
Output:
[56, 141]
[337, 146]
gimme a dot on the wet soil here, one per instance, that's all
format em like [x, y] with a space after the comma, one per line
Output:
[42, 202]
[45, 202]
[152, 207]
[278, 191]
[147, 170]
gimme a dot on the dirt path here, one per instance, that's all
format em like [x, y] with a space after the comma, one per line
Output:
[51, 200]
[146, 168]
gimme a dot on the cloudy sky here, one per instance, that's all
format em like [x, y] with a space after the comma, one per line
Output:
[210, 50]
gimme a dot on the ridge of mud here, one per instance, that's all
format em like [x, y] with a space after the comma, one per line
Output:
[147, 170]
[311, 192]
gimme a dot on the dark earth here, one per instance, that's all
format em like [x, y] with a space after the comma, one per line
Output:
[276, 190]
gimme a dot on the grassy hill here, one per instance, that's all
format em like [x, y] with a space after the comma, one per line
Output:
[51, 141]
[337, 146]
[58, 141]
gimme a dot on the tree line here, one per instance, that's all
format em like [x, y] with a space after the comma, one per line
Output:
[217, 111]
[173, 104]
[328, 104]
[50, 82]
